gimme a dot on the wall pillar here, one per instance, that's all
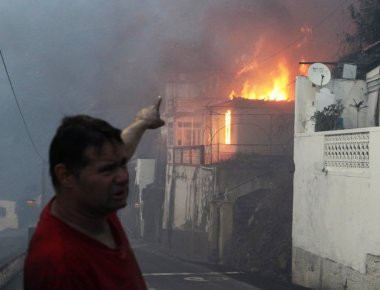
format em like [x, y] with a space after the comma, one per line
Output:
[213, 233]
[226, 217]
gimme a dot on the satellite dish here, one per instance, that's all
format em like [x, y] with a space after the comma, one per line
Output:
[319, 74]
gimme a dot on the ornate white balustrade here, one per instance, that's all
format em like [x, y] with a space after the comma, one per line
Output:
[349, 150]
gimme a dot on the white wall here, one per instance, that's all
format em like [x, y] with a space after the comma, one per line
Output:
[10, 220]
[336, 214]
[191, 188]
[145, 169]
[336, 191]
[304, 105]
[168, 189]
[345, 90]
[145, 172]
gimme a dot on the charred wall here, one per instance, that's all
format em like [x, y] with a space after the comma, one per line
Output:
[261, 239]
[260, 223]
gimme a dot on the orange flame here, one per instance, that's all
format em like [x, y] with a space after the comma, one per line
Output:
[232, 95]
[228, 127]
[270, 87]
[303, 68]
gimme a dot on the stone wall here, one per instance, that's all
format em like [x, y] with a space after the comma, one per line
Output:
[262, 223]
[316, 272]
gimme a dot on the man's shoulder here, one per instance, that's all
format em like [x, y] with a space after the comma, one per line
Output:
[52, 240]
[48, 246]
[50, 264]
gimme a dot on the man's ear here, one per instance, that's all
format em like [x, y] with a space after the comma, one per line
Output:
[64, 176]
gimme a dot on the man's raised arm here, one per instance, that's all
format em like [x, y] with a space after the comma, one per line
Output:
[146, 118]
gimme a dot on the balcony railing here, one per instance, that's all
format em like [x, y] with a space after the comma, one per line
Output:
[193, 155]
[209, 154]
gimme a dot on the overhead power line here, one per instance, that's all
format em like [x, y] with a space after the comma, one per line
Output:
[314, 27]
[20, 111]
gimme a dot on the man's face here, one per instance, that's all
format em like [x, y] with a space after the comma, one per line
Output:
[102, 185]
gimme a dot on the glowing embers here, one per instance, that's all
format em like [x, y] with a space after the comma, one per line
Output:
[228, 127]
[269, 86]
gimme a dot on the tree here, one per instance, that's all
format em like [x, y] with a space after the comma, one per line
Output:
[363, 44]
[366, 17]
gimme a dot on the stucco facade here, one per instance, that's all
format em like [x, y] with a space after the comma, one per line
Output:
[336, 237]
[187, 194]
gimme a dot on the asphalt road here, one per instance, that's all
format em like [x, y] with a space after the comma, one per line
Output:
[163, 272]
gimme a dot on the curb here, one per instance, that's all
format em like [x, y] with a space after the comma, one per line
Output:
[10, 269]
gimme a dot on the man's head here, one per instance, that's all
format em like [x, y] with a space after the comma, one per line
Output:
[73, 137]
[88, 164]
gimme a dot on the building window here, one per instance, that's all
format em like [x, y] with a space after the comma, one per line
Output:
[187, 137]
[189, 133]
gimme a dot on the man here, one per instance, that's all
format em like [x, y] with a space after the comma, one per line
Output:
[79, 242]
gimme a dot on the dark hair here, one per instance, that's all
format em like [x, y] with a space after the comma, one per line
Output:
[73, 137]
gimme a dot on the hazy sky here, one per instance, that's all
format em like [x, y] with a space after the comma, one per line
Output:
[108, 58]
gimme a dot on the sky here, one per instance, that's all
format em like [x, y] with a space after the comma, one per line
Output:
[109, 58]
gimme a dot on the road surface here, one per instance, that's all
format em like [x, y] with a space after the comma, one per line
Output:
[163, 272]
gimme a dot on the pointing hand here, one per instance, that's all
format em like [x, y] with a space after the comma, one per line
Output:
[150, 115]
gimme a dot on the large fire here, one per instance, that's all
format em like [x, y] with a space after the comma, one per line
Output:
[268, 86]
[272, 86]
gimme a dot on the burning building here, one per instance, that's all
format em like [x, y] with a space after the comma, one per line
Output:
[243, 126]
[227, 179]
[209, 130]
[204, 128]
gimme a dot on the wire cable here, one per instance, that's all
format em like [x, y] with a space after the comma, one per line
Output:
[314, 27]
[20, 111]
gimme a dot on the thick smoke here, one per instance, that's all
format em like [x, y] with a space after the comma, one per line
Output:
[108, 58]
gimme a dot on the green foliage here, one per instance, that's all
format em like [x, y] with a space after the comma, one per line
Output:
[327, 119]
[366, 17]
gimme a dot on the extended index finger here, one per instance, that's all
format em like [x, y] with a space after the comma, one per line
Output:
[157, 103]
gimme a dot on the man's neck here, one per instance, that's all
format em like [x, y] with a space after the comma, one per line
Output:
[94, 226]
